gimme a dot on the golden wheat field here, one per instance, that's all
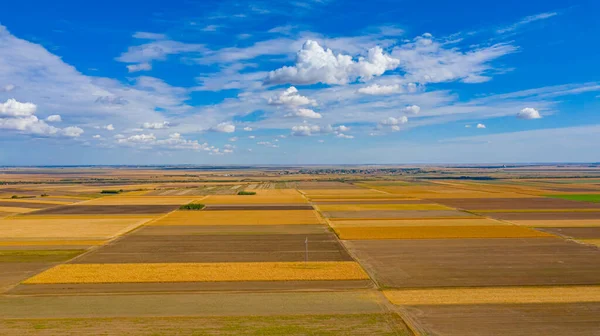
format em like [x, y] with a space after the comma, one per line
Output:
[13, 243]
[254, 199]
[342, 192]
[437, 232]
[85, 228]
[381, 207]
[199, 272]
[241, 217]
[15, 209]
[494, 295]
[470, 221]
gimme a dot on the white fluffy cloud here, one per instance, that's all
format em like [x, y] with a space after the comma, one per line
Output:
[13, 108]
[224, 127]
[54, 118]
[248, 129]
[344, 136]
[315, 64]
[156, 125]
[391, 121]
[412, 109]
[139, 67]
[109, 127]
[17, 116]
[291, 97]
[305, 130]
[529, 113]
[305, 113]
[480, 126]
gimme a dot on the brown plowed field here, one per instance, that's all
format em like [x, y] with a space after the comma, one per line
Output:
[257, 207]
[158, 230]
[540, 203]
[576, 319]
[391, 214]
[12, 273]
[477, 262]
[254, 286]
[544, 215]
[29, 205]
[373, 201]
[106, 210]
[326, 185]
[218, 248]
[575, 232]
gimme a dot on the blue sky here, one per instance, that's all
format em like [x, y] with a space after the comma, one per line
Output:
[299, 82]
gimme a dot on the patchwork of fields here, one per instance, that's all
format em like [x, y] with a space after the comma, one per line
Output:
[302, 258]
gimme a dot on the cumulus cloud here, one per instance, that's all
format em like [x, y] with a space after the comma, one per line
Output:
[529, 113]
[97, 136]
[156, 125]
[109, 127]
[291, 97]
[380, 90]
[315, 64]
[248, 129]
[54, 118]
[139, 67]
[224, 127]
[305, 130]
[391, 121]
[344, 136]
[267, 144]
[18, 116]
[233, 139]
[13, 108]
[174, 141]
[480, 126]
[305, 113]
[412, 109]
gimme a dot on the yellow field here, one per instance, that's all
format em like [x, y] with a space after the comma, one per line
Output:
[199, 272]
[253, 199]
[558, 223]
[537, 210]
[342, 192]
[353, 199]
[58, 229]
[242, 217]
[35, 200]
[15, 209]
[437, 232]
[494, 295]
[475, 221]
[138, 200]
[383, 207]
[590, 241]
[448, 191]
[52, 242]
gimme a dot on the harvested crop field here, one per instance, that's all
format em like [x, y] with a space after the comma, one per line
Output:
[37, 256]
[381, 207]
[193, 230]
[372, 201]
[106, 210]
[540, 203]
[493, 295]
[470, 221]
[397, 214]
[144, 201]
[192, 304]
[12, 273]
[257, 207]
[326, 185]
[435, 232]
[242, 217]
[30, 205]
[558, 215]
[30, 228]
[478, 262]
[255, 199]
[575, 232]
[55, 244]
[578, 319]
[351, 324]
[135, 248]
[15, 209]
[558, 223]
[199, 272]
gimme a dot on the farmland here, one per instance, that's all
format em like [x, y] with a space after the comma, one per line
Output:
[298, 254]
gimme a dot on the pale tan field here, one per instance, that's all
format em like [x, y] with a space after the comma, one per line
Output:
[12, 243]
[444, 191]
[438, 232]
[199, 272]
[138, 200]
[25, 228]
[494, 295]
[537, 210]
[382, 207]
[416, 222]
[36, 200]
[558, 223]
[342, 192]
[595, 242]
[15, 209]
[241, 217]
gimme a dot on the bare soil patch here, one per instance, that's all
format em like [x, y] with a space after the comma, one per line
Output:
[12, 273]
[218, 248]
[477, 262]
[106, 210]
[515, 204]
[29, 205]
[579, 319]
[544, 215]
[575, 232]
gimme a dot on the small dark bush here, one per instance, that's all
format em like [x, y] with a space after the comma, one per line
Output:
[111, 191]
[192, 206]
[246, 193]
